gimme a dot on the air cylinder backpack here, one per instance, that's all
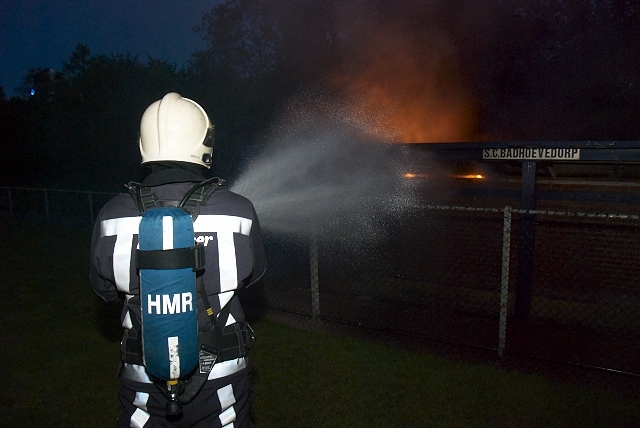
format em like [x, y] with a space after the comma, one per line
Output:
[173, 351]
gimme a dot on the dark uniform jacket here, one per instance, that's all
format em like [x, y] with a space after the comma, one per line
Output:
[234, 254]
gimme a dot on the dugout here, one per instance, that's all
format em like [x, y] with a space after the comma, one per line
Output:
[598, 176]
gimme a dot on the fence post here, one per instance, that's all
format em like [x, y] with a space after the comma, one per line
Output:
[504, 284]
[46, 204]
[526, 242]
[315, 283]
[91, 207]
[10, 201]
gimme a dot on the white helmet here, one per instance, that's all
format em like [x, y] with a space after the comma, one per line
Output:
[176, 129]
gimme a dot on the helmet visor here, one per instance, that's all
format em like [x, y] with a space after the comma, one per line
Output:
[209, 138]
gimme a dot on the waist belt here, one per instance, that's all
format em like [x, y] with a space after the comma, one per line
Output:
[236, 341]
[233, 342]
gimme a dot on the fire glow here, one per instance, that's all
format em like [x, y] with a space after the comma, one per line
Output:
[411, 91]
[457, 176]
[469, 177]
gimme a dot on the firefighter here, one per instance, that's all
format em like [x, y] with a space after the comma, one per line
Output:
[176, 144]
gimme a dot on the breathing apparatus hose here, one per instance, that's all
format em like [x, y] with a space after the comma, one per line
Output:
[197, 186]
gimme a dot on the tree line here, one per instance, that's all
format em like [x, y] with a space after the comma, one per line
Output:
[549, 69]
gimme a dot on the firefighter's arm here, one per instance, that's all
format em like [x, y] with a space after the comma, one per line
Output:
[257, 247]
[100, 267]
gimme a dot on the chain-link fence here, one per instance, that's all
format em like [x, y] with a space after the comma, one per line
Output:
[461, 275]
[584, 302]
[551, 284]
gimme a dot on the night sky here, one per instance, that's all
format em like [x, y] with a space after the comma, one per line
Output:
[43, 33]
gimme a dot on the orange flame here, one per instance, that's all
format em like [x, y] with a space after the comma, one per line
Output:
[469, 176]
[458, 176]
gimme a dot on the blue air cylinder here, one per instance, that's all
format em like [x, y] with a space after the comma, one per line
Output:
[168, 297]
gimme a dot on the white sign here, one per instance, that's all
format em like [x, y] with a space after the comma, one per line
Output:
[531, 153]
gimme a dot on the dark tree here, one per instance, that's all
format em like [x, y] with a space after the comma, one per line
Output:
[79, 129]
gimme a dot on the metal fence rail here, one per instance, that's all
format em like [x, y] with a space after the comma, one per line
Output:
[78, 206]
[450, 274]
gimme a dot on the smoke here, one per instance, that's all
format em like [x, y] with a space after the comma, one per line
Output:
[328, 166]
[469, 70]
[402, 69]
[409, 71]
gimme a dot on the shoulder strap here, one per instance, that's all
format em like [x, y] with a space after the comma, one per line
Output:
[145, 198]
[199, 194]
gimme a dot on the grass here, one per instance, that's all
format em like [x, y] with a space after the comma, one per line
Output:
[60, 350]
[60, 369]
[324, 381]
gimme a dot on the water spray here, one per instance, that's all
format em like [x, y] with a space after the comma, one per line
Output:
[323, 171]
